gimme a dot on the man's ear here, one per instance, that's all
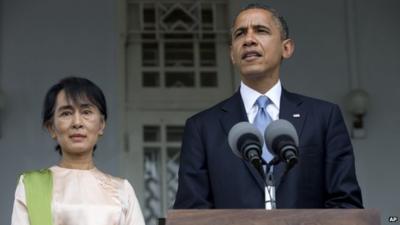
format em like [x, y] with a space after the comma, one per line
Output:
[287, 48]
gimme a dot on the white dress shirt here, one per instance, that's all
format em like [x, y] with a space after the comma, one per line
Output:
[249, 97]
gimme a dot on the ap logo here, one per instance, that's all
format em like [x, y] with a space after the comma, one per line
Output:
[393, 219]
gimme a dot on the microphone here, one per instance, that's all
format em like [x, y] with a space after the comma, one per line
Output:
[246, 142]
[282, 141]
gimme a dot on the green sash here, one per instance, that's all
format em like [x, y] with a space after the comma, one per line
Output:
[38, 190]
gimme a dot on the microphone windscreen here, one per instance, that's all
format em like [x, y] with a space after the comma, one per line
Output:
[239, 130]
[277, 128]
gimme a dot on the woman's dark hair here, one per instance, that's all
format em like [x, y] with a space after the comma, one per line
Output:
[76, 89]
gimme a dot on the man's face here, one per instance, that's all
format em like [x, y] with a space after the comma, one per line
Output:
[257, 46]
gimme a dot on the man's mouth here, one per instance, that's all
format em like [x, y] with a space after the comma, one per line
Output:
[250, 55]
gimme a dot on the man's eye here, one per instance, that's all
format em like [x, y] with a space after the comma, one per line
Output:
[263, 31]
[238, 34]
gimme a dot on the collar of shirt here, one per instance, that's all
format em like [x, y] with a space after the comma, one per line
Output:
[249, 97]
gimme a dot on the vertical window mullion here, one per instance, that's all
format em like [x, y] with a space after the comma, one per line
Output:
[162, 63]
[164, 157]
[197, 67]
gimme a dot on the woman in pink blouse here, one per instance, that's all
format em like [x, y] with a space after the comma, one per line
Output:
[75, 115]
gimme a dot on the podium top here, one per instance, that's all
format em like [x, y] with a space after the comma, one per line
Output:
[274, 217]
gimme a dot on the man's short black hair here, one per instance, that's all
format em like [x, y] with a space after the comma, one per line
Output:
[281, 22]
[76, 89]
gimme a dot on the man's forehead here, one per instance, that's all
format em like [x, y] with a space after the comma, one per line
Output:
[253, 17]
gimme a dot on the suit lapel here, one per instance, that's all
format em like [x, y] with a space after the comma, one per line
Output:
[290, 110]
[234, 112]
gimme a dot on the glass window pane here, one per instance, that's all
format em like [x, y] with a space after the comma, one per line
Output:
[151, 79]
[148, 36]
[174, 133]
[178, 54]
[151, 133]
[172, 174]
[179, 79]
[149, 15]
[178, 19]
[150, 54]
[207, 18]
[207, 54]
[152, 185]
[180, 36]
[208, 36]
[208, 79]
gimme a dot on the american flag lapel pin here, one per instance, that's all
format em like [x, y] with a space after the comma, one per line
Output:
[296, 115]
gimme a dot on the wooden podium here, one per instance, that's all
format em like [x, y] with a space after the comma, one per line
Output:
[274, 217]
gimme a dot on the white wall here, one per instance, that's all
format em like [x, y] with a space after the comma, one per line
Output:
[379, 54]
[44, 40]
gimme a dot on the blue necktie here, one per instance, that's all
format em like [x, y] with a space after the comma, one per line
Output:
[261, 121]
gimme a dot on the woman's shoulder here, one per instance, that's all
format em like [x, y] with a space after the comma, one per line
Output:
[118, 182]
[124, 188]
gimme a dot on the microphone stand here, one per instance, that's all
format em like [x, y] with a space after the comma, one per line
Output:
[269, 185]
[270, 182]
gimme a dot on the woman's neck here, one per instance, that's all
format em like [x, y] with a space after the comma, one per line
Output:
[84, 163]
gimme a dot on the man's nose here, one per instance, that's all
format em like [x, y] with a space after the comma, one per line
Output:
[250, 39]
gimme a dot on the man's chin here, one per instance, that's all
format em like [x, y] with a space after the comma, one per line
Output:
[253, 74]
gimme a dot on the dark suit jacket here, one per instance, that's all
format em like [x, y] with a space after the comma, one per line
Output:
[211, 176]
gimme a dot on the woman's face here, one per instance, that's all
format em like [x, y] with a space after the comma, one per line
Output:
[76, 126]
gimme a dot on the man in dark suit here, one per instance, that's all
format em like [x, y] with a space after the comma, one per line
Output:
[211, 176]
